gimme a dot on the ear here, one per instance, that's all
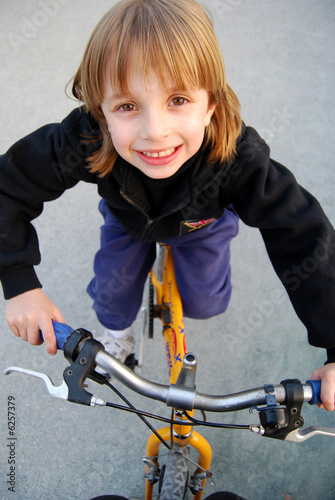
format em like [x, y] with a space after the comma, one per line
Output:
[209, 114]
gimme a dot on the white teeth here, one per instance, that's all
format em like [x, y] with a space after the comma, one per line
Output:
[162, 154]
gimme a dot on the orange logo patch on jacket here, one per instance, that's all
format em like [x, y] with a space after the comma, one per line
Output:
[191, 225]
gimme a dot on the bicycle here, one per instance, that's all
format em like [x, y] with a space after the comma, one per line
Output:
[278, 407]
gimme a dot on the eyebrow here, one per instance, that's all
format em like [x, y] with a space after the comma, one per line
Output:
[115, 97]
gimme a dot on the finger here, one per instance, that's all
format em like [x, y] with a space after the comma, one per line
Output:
[23, 333]
[327, 394]
[316, 375]
[16, 327]
[34, 337]
[58, 317]
[49, 337]
[15, 330]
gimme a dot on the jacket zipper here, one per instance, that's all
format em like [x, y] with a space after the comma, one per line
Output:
[150, 221]
[133, 203]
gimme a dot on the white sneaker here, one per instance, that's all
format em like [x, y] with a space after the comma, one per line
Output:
[119, 348]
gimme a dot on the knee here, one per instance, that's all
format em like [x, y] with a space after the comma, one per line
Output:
[198, 306]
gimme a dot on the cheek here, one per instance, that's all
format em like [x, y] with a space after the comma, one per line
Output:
[116, 132]
[196, 129]
[118, 138]
[199, 121]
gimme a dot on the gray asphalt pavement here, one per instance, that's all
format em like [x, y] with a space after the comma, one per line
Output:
[279, 59]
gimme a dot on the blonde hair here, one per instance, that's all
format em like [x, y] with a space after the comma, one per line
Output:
[177, 39]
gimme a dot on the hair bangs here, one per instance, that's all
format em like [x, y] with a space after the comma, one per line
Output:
[149, 40]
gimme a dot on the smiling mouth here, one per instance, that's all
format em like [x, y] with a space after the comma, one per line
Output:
[161, 154]
[159, 158]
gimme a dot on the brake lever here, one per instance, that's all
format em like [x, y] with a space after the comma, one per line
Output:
[299, 436]
[64, 391]
[60, 392]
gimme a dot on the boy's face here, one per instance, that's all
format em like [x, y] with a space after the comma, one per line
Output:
[156, 130]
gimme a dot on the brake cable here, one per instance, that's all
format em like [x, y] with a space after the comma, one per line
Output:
[214, 424]
[142, 414]
[139, 413]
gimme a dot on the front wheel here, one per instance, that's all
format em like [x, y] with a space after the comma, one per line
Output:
[174, 480]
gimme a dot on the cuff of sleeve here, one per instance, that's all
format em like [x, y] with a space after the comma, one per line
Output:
[330, 356]
[17, 280]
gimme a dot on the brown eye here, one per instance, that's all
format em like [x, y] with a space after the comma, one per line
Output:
[127, 107]
[179, 101]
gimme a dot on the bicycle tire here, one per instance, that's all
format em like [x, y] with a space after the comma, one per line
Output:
[174, 483]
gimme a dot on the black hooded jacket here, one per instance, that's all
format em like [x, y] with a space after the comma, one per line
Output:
[299, 238]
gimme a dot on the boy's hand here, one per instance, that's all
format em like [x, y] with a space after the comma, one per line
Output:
[31, 312]
[327, 376]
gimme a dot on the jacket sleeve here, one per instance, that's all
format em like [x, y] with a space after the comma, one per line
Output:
[298, 236]
[38, 168]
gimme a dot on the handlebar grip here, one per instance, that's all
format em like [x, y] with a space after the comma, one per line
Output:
[62, 331]
[316, 389]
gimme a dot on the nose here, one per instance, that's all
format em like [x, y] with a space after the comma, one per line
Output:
[155, 125]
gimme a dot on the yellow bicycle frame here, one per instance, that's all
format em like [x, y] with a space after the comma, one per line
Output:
[168, 298]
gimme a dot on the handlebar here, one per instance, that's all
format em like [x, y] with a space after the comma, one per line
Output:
[187, 397]
[279, 406]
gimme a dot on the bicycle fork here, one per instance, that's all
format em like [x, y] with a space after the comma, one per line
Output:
[182, 372]
[181, 435]
[198, 480]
